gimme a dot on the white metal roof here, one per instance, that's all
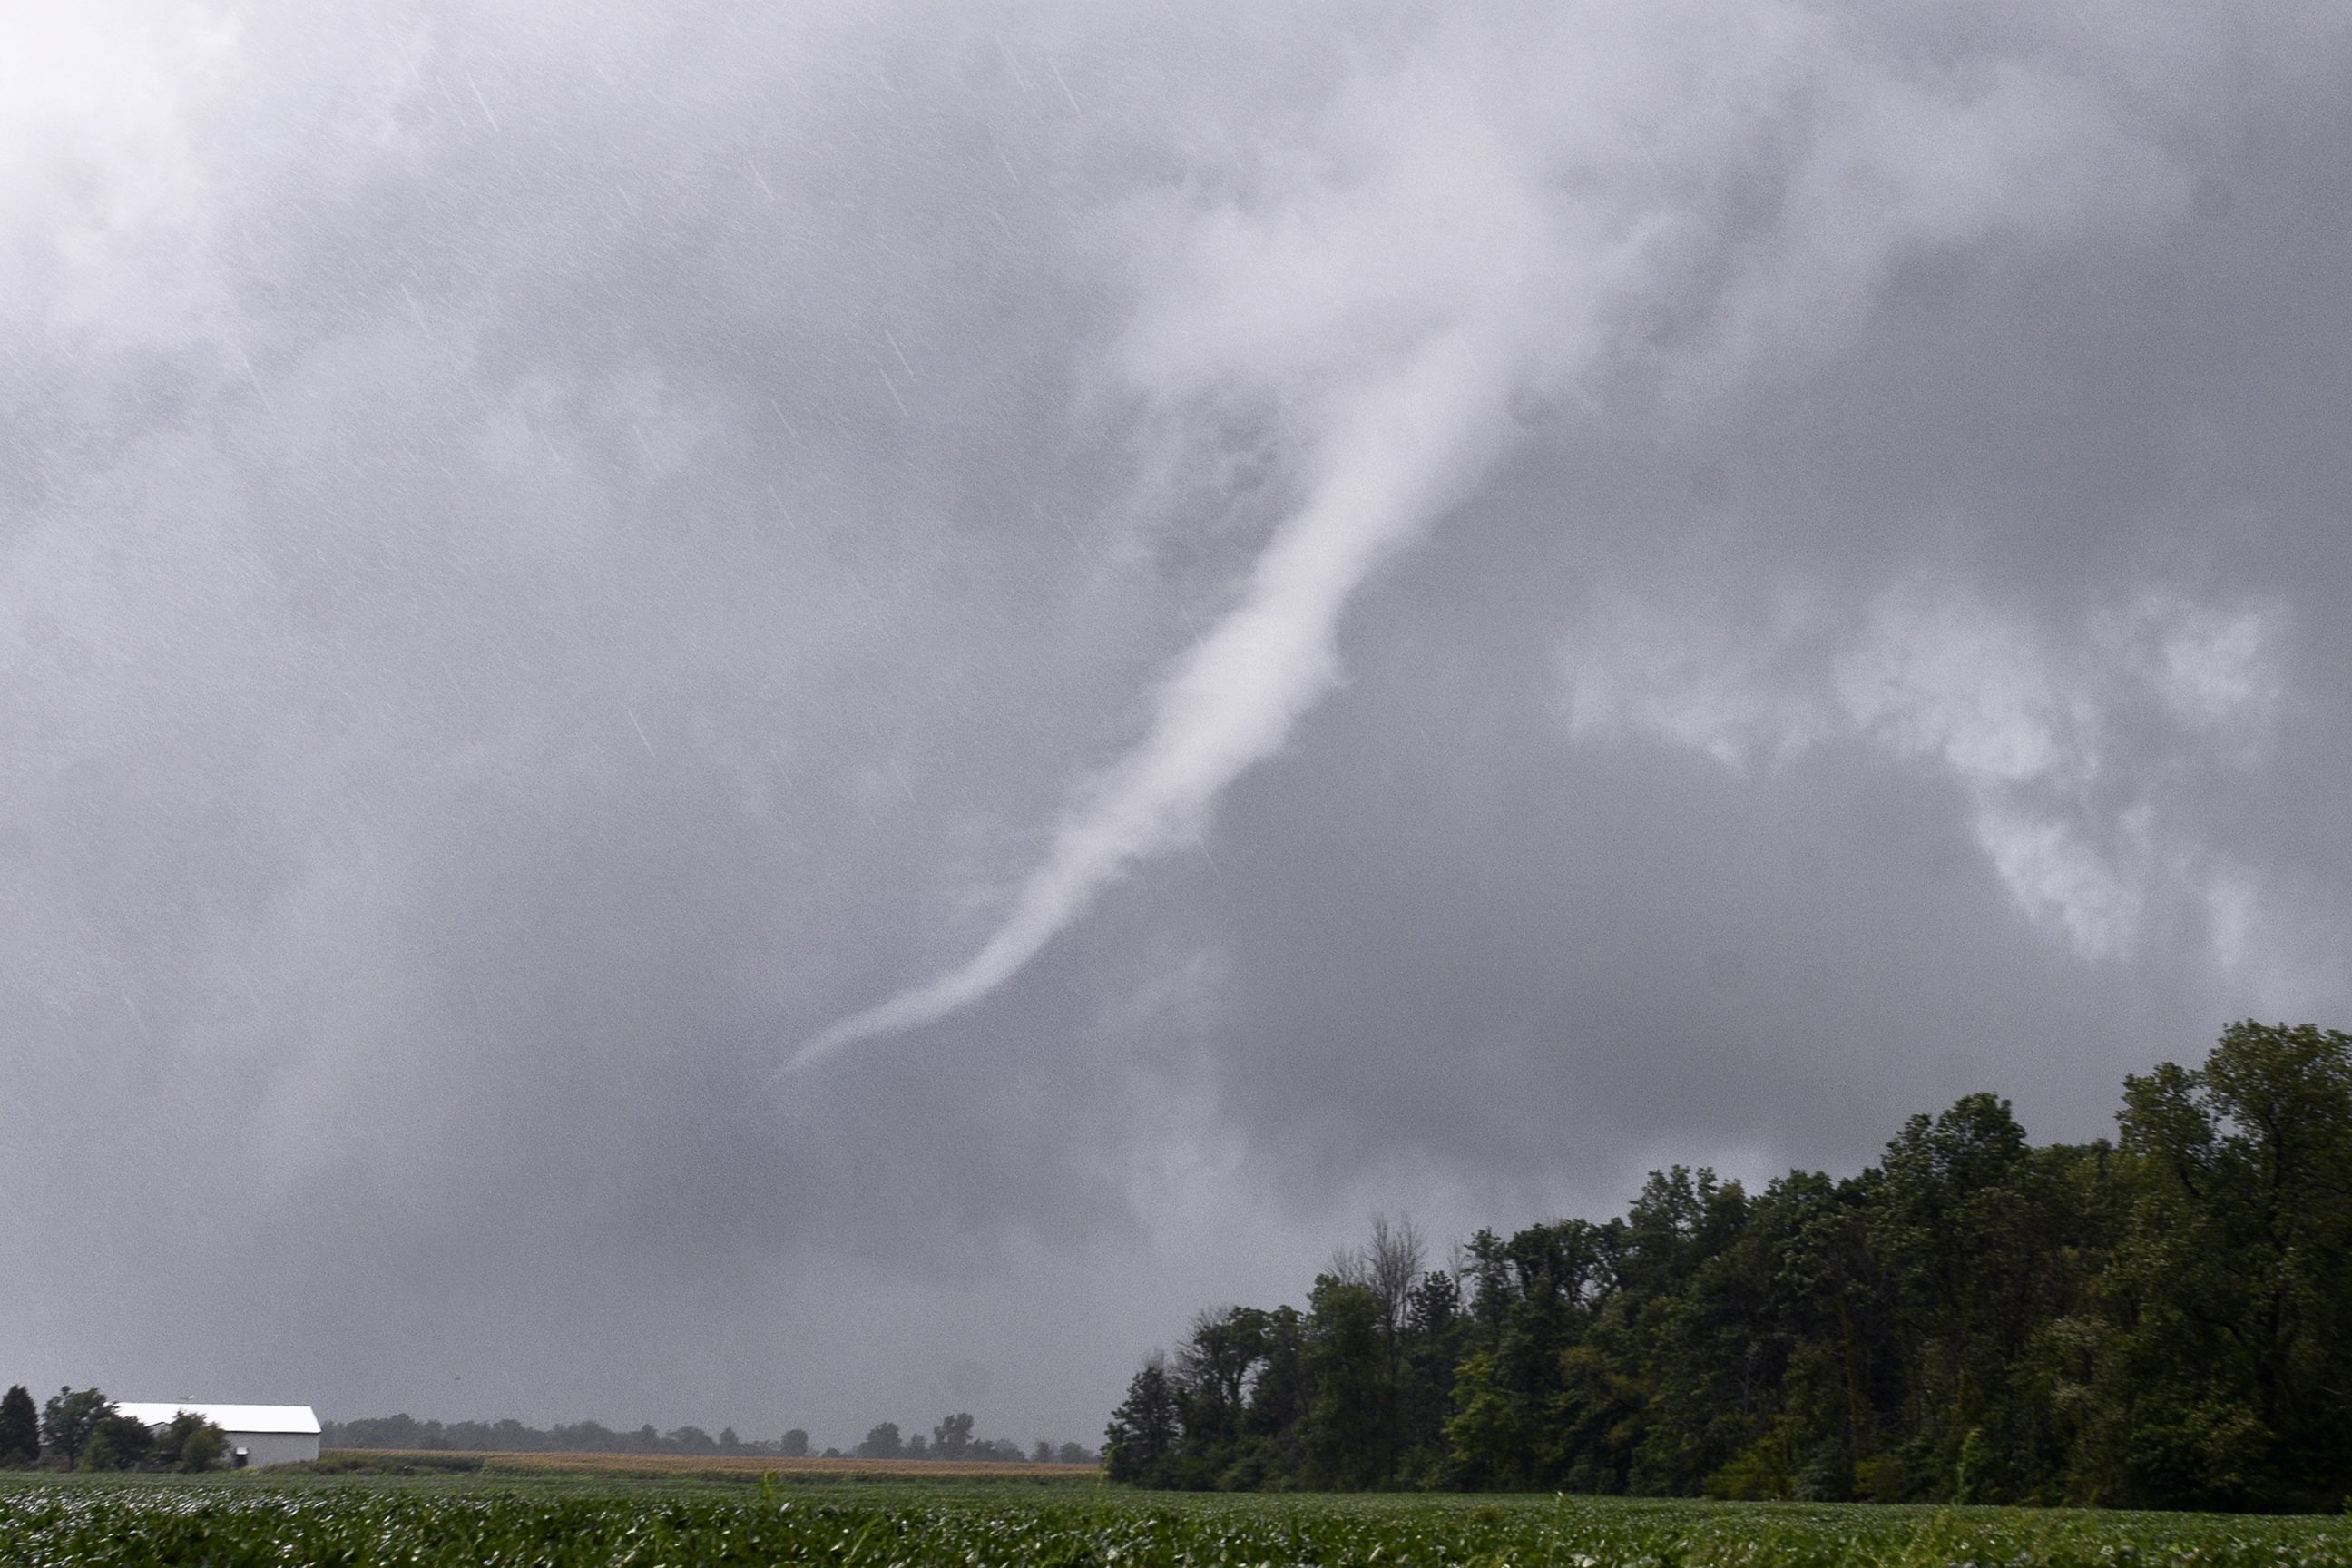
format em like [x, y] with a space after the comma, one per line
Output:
[227, 1417]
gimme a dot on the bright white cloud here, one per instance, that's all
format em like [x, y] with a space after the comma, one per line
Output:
[2020, 722]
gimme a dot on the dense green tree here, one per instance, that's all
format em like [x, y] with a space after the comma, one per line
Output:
[952, 1438]
[1974, 1231]
[2166, 1322]
[881, 1442]
[189, 1444]
[20, 1427]
[1140, 1442]
[116, 1442]
[1433, 1332]
[1532, 1298]
[1214, 1375]
[2226, 1376]
[68, 1417]
[1349, 1435]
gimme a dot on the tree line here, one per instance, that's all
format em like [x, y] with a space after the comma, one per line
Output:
[2163, 1320]
[80, 1429]
[512, 1436]
[951, 1439]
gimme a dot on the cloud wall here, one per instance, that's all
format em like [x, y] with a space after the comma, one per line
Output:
[1321, 610]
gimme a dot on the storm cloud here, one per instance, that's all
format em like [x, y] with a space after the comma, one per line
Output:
[1217, 622]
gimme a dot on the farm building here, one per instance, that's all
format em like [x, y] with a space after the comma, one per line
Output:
[259, 1434]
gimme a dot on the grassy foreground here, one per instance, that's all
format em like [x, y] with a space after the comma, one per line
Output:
[236, 1521]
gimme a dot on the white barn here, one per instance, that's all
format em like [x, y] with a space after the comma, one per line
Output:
[259, 1434]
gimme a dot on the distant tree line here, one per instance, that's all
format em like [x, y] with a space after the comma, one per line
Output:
[951, 1439]
[80, 1429]
[512, 1437]
[2163, 1321]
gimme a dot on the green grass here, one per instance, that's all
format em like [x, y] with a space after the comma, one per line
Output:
[452, 1519]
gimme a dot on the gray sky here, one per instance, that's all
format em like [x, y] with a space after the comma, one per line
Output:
[799, 721]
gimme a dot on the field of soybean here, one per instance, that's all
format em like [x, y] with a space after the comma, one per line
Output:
[247, 1521]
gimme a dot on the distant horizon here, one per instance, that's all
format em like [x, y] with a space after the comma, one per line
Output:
[681, 1438]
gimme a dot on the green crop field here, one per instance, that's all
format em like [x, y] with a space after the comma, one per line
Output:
[482, 1520]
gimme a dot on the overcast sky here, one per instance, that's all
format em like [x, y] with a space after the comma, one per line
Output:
[801, 715]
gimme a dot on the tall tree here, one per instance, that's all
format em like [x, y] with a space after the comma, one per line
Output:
[20, 1427]
[1434, 1331]
[68, 1417]
[1143, 1431]
[952, 1438]
[1349, 1433]
[1973, 1229]
[2229, 1372]
[1214, 1371]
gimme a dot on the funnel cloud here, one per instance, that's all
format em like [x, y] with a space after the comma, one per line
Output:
[1399, 453]
[1414, 341]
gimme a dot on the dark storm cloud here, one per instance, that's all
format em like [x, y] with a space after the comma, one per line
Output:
[552, 557]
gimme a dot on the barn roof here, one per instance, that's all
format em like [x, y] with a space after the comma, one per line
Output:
[295, 1418]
